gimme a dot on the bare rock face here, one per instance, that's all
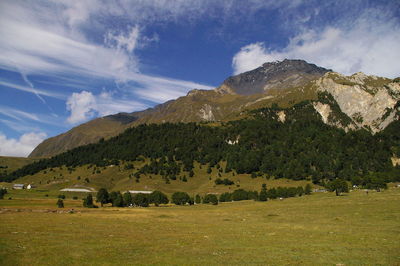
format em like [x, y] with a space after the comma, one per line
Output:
[272, 75]
[369, 101]
[206, 113]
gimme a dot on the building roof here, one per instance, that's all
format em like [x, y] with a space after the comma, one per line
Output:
[76, 190]
[140, 191]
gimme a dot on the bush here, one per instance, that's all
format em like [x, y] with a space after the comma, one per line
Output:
[210, 198]
[141, 200]
[61, 196]
[3, 191]
[74, 197]
[307, 189]
[60, 203]
[157, 198]
[102, 196]
[225, 182]
[240, 194]
[88, 202]
[128, 200]
[225, 197]
[197, 199]
[180, 198]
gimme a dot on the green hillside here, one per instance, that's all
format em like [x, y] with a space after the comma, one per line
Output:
[10, 164]
[162, 156]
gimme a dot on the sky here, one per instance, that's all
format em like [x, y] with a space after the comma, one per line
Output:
[65, 62]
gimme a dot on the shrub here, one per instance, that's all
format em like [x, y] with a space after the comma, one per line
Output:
[180, 198]
[210, 198]
[225, 197]
[141, 200]
[60, 203]
[157, 197]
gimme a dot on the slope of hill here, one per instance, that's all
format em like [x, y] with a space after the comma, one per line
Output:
[367, 101]
[275, 142]
[10, 164]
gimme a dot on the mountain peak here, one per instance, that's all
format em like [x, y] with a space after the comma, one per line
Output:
[272, 75]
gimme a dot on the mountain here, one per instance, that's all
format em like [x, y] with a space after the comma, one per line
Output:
[352, 102]
[272, 75]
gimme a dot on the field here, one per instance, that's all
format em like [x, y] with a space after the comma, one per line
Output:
[320, 229]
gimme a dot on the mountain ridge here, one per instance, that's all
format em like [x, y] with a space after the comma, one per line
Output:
[229, 102]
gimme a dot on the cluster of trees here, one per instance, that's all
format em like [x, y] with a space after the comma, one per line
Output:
[3, 191]
[265, 194]
[127, 199]
[225, 181]
[302, 147]
[182, 198]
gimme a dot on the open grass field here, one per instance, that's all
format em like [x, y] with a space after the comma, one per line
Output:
[320, 229]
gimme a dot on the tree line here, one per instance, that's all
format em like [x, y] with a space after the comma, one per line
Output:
[117, 199]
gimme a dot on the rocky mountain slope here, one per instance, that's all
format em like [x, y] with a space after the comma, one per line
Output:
[272, 75]
[348, 102]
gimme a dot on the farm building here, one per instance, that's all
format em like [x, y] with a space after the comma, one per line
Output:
[140, 192]
[76, 190]
[18, 186]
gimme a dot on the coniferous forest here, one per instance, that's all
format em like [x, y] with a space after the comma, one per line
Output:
[301, 147]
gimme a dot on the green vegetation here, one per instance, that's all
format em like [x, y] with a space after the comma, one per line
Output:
[3, 191]
[10, 164]
[60, 203]
[302, 148]
[181, 198]
[338, 186]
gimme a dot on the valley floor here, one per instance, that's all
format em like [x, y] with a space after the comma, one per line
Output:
[321, 229]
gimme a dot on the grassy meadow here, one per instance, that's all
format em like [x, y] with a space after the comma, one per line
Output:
[320, 229]
[117, 178]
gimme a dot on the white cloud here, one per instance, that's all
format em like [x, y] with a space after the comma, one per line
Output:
[369, 45]
[84, 106]
[20, 147]
[252, 56]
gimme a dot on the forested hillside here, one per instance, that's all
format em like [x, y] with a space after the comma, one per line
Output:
[300, 147]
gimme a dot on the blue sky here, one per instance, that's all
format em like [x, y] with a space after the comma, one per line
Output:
[64, 62]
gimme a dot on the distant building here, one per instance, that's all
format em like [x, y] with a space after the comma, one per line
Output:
[18, 186]
[30, 186]
[76, 190]
[140, 191]
[320, 190]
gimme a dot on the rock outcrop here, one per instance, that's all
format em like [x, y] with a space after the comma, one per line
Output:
[370, 102]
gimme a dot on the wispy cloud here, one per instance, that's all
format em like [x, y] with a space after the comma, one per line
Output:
[18, 126]
[22, 116]
[53, 48]
[34, 91]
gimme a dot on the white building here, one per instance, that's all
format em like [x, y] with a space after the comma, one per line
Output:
[140, 191]
[76, 190]
[18, 186]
